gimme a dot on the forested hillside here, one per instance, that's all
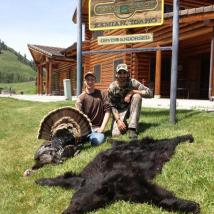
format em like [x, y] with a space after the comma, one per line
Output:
[14, 67]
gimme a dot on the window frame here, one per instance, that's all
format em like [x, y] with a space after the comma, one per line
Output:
[98, 77]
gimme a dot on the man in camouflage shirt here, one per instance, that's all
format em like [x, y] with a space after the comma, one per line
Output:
[125, 95]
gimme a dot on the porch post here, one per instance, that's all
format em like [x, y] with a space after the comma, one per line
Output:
[211, 81]
[158, 75]
[79, 47]
[174, 66]
[50, 78]
[38, 79]
[47, 79]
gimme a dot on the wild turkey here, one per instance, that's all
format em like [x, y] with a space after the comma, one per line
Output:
[64, 130]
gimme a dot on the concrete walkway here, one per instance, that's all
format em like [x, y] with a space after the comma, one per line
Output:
[180, 104]
[35, 98]
[205, 105]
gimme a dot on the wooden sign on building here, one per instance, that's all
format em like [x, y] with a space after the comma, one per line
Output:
[104, 40]
[114, 14]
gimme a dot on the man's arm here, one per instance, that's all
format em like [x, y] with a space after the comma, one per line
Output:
[105, 121]
[115, 114]
[120, 124]
[79, 103]
[112, 102]
[140, 89]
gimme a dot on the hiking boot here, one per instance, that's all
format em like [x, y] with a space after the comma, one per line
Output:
[133, 134]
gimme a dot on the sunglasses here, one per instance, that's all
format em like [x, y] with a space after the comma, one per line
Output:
[90, 79]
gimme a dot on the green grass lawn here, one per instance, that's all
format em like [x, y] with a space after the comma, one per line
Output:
[190, 173]
[25, 87]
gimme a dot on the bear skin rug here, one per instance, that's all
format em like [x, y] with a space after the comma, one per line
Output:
[124, 172]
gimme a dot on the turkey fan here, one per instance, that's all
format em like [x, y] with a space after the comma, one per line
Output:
[64, 118]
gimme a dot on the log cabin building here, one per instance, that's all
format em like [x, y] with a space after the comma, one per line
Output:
[53, 66]
[196, 54]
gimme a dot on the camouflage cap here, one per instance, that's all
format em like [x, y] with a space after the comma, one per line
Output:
[122, 67]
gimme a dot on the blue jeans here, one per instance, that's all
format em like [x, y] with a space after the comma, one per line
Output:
[96, 138]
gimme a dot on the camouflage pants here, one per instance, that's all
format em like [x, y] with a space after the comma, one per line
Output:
[132, 113]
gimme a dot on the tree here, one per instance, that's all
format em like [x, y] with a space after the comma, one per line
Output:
[0, 47]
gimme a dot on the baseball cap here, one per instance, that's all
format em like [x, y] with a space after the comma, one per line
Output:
[121, 67]
[89, 73]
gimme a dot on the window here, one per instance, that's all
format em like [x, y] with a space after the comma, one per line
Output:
[168, 8]
[97, 72]
[117, 62]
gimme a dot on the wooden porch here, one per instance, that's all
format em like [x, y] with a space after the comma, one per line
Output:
[196, 63]
[53, 66]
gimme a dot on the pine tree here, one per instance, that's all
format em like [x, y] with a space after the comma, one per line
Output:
[0, 47]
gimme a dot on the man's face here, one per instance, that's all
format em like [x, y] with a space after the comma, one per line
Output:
[90, 82]
[122, 76]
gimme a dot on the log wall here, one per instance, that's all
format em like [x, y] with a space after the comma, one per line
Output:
[194, 42]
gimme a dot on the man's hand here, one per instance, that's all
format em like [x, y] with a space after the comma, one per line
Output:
[121, 126]
[99, 130]
[127, 98]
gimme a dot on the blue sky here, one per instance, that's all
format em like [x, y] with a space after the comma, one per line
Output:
[42, 22]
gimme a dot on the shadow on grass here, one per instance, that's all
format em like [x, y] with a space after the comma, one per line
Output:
[154, 113]
[142, 127]
[185, 114]
[108, 133]
[163, 114]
